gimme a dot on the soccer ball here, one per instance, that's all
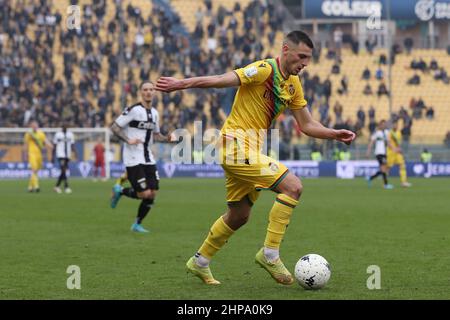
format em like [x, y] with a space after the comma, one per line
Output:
[312, 271]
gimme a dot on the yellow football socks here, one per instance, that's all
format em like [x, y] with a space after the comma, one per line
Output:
[279, 218]
[217, 237]
[403, 178]
[34, 182]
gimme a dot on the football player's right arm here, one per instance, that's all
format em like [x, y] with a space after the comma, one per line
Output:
[118, 132]
[123, 120]
[255, 73]
[169, 84]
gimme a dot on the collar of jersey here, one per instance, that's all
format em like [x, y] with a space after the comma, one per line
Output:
[279, 68]
[142, 105]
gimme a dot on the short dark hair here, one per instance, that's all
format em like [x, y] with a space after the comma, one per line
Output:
[298, 36]
[145, 82]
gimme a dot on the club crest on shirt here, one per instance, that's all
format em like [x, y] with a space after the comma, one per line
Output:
[291, 89]
[273, 167]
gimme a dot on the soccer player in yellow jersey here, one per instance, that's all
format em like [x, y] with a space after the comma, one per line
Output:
[34, 143]
[395, 155]
[266, 88]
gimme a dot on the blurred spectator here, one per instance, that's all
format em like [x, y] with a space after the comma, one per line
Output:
[417, 108]
[355, 46]
[367, 89]
[208, 5]
[327, 88]
[379, 73]
[406, 133]
[408, 43]
[372, 122]
[447, 140]
[323, 110]
[382, 90]
[370, 44]
[199, 16]
[441, 74]
[430, 113]
[338, 109]
[344, 86]
[433, 64]
[331, 54]
[419, 65]
[426, 156]
[316, 153]
[414, 80]
[337, 37]
[366, 74]
[361, 116]
[316, 53]
[344, 154]
[395, 50]
[335, 69]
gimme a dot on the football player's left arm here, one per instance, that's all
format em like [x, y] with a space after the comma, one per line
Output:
[169, 84]
[315, 129]
[162, 138]
[158, 136]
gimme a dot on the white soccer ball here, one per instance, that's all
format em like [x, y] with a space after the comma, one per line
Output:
[312, 271]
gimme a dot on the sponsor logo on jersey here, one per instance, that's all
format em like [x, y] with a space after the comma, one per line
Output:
[250, 71]
[273, 167]
[146, 125]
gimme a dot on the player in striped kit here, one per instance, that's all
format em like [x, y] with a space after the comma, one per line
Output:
[63, 142]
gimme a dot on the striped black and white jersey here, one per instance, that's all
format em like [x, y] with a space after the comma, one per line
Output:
[63, 142]
[380, 138]
[140, 123]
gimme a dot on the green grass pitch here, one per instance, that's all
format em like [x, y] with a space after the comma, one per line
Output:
[403, 231]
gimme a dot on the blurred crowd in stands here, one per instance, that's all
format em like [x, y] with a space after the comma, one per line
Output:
[32, 33]
[35, 43]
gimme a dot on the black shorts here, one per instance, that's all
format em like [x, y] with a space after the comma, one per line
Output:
[381, 159]
[143, 177]
[63, 162]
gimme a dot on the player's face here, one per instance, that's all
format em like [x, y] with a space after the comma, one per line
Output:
[297, 57]
[147, 92]
[34, 125]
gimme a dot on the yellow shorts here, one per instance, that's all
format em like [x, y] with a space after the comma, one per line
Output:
[247, 175]
[394, 158]
[35, 162]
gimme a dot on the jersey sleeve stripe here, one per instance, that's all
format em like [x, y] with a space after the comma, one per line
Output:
[275, 87]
